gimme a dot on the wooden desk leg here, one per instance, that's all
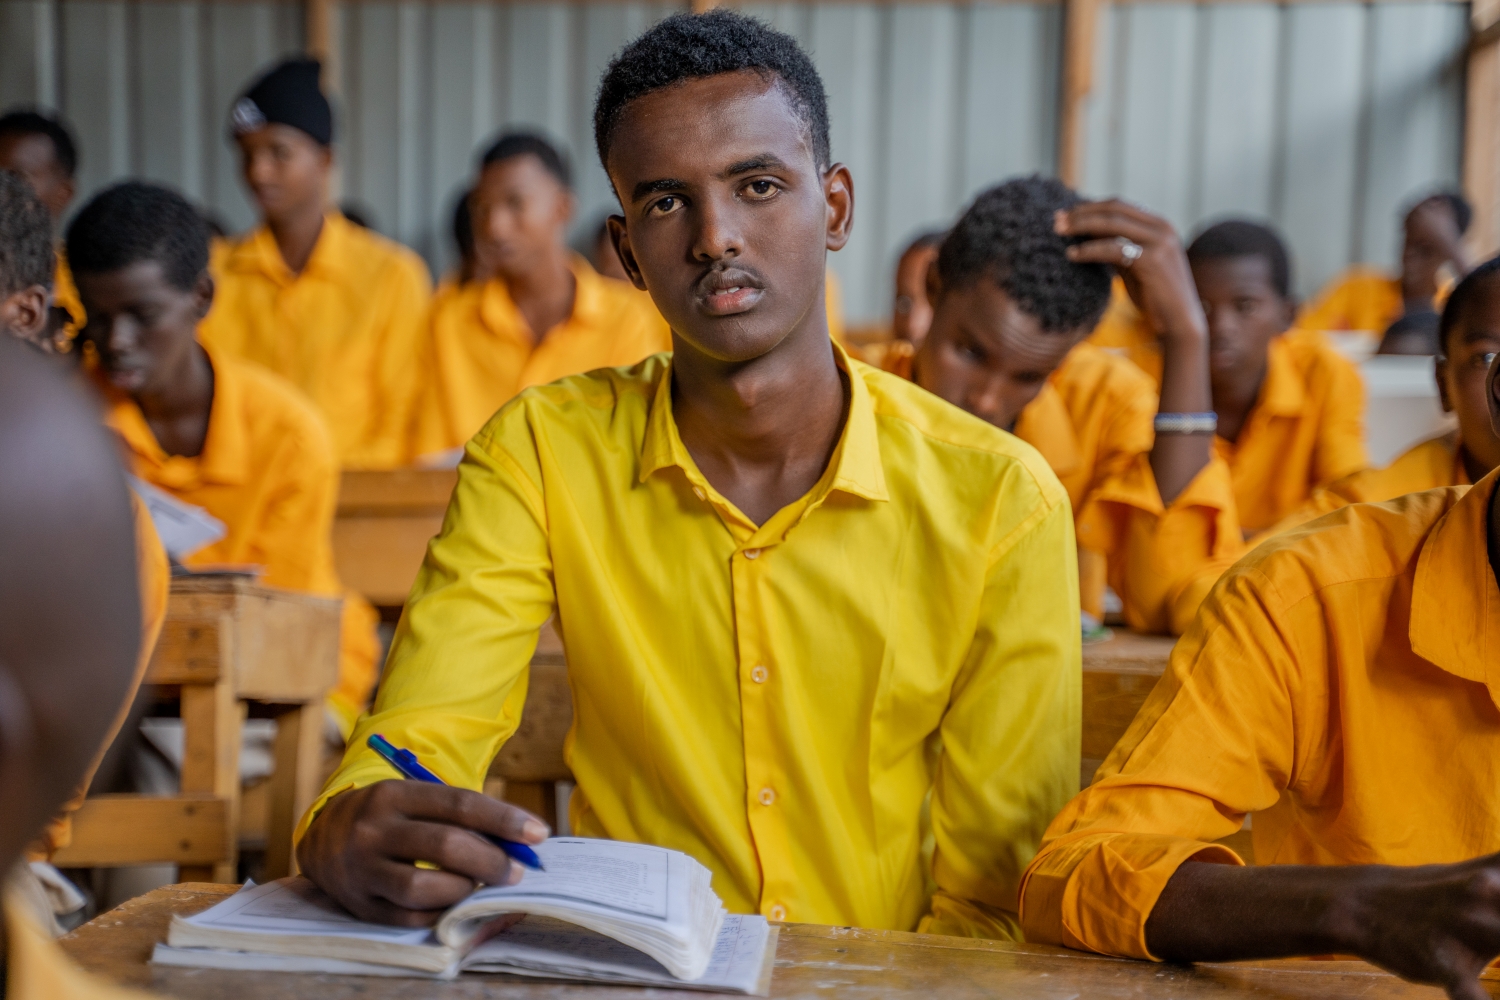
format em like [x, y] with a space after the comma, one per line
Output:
[212, 719]
[294, 782]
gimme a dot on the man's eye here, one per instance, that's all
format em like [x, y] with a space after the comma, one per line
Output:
[1482, 361]
[664, 205]
[761, 189]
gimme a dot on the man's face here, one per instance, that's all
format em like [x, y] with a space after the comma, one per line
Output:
[728, 219]
[913, 312]
[1431, 237]
[1464, 374]
[521, 215]
[35, 158]
[1245, 312]
[985, 355]
[143, 327]
[285, 169]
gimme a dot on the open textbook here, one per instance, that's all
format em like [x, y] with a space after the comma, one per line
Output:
[602, 911]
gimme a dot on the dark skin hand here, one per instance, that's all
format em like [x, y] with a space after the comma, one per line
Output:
[521, 215]
[1245, 313]
[287, 173]
[1461, 377]
[1437, 924]
[145, 330]
[1431, 240]
[728, 220]
[1161, 285]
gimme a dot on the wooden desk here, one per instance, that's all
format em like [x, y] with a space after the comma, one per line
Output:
[1117, 676]
[382, 527]
[811, 961]
[226, 642]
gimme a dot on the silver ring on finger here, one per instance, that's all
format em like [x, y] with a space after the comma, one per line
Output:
[1129, 250]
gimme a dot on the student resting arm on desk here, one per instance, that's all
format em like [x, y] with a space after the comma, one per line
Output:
[1020, 280]
[782, 577]
[1340, 684]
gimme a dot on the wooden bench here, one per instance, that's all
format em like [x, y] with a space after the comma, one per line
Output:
[382, 527]
[812, 961]
[227, 643]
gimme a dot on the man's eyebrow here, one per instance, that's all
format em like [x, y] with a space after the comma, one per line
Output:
[645, 188]
[764, 161]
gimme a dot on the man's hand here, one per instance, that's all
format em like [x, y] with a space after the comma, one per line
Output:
[1159, 280]
[362, 847]
[1437, 924]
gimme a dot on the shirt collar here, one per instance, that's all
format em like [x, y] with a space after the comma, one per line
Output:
[1282, 394]
[1046, 425]
[258, 252]
[858, 467]
[225, 458]
[1462, 636]
[498, 312]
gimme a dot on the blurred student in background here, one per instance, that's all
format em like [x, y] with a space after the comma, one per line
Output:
[334, 308]
[40, 148]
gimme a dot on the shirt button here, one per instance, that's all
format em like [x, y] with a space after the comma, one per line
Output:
[777, 912]
[759, 675]
[752, 553]
[698, 492]
[767, 796]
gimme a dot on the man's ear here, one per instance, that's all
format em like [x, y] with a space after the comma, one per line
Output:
[203, 291]
[621, 239]
[838, 192]
[25, 313]
[1440, 372]
[1492, 381]
[934, 283]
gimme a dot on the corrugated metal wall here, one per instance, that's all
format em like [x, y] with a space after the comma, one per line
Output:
[1324, 117]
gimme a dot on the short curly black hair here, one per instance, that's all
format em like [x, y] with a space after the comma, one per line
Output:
[1463, 212]
[25, 236]
[513, 144]
[1462, 297]
[1243, 238]
[134, 222]
[693, 46]
[1007, 236]
[26, 121]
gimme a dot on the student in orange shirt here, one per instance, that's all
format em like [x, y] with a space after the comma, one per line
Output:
[212, 430]
[41, 149]
[1370, 300]
[1290, 409]
[328, 305]
[1020, 280]
[541, 312]
[1340, 686]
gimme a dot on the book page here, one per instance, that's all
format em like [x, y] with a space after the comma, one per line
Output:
[294, 906]
[626, 878]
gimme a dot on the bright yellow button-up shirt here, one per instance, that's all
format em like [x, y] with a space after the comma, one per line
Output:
[267, 471]
[771, 699]
[480, 351]
[1342, 683]
[346, 330]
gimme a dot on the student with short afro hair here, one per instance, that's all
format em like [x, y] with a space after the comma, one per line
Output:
[40, 148]
[26, 261]
[206, 427]
[1020, 279]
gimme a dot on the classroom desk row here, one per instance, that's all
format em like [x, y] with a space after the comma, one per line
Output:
[811, 961]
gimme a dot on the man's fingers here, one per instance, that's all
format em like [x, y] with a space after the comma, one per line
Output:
[1466, 988]
[470, 810]
[1113, 219]
[1110, 251]
[452, 848]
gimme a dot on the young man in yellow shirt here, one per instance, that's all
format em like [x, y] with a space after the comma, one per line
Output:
[1340, 686]
[328, 305]
[66, 543]
[1013, 299]
[540, 313]
[212, 430]
[1369, 300]
[781, 576]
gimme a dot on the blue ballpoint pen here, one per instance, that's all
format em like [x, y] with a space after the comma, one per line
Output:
[407, 764]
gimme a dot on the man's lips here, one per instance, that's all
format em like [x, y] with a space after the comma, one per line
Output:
[125, 377]
[730, 293]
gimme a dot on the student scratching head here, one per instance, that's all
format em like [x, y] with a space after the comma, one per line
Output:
[41, 149]
[911, 315]
[1469, 340]
[1008, 304]
[729, 213]
[139, 254]
[70, 617]
[26, 263]
[283, 126]
[520, 207]
[1244, 278]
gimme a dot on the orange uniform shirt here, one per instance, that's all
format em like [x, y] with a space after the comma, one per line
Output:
[479, 352]
[36, 967]
[1122, 330]
[1433, 463]
[346, 330]
[1362, 298]
[267, 470]
[1306, 430]
[1092, 422]
[1340, 684]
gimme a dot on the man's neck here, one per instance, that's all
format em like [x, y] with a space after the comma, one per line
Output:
[296, 235]
[1234, 400]
[762, 431]
[1493, 534]
[544, 294]
[178, 416]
